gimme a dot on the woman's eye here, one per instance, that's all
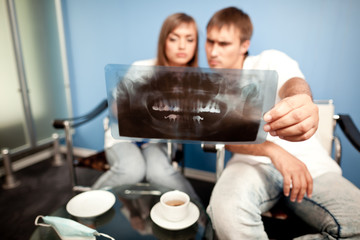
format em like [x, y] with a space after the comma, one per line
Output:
[172, 39]
[190, 40]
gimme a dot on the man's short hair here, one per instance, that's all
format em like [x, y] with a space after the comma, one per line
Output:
[232, 16]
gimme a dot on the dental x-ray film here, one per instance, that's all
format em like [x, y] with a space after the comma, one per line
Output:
[185, 104]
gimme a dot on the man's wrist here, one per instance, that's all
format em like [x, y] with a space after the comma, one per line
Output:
[271, 150]
[295, 86]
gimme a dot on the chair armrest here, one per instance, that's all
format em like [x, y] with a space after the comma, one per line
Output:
[67, 124]
[350, 130]
[77, 121]
[219, 149]
[209, 148]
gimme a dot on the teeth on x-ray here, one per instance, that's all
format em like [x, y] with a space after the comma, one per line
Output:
[197, 118]
[172, 117]
[211, 108]
[164, 105]
[175, 109]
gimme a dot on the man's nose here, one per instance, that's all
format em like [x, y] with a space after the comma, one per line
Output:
[214, 50]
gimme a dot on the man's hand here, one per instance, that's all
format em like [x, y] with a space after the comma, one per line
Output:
[295, 174]
[294, 118]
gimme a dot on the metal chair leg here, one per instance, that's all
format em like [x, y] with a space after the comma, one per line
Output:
[69, 153]
[10, 180]
[58, 158]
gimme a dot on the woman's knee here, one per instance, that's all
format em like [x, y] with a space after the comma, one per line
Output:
[160, 173]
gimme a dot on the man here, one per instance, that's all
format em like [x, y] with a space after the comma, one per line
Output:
[291, 164]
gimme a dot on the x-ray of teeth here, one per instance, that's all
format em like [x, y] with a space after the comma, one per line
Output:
[189, 104]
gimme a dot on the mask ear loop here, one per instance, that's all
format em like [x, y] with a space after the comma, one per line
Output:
[104, 235]
[40, 224]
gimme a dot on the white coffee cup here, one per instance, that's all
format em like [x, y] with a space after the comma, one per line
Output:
[174, 205]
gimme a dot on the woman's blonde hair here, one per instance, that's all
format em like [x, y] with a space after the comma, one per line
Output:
[170, 23]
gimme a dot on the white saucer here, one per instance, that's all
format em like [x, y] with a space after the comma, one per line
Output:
[91, 203]
[192, 217]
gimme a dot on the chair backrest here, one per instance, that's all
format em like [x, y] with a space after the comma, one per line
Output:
[327, 123]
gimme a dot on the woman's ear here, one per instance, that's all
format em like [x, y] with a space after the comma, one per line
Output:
[244, 46]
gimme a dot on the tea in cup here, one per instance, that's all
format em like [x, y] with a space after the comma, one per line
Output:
[174, 205]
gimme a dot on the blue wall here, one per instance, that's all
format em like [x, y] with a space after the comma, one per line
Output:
[322, 35]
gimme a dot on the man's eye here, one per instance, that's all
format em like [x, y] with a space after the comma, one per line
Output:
[210, 41]
[223, 44]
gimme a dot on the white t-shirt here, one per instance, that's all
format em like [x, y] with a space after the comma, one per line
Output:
[311, 152]
[147, 62]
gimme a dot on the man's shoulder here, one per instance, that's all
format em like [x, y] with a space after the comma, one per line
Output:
[147, 62]
[272, 53]
[267, 59]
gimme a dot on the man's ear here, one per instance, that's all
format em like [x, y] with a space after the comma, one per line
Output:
[244, 46]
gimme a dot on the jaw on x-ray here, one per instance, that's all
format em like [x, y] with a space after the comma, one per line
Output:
[189, 104]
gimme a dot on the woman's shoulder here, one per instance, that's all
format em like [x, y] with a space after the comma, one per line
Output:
[147, 62]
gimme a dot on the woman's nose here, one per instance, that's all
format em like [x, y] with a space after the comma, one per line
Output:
[182, 44]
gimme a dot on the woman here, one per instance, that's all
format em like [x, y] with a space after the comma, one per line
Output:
[133, 162]
[177, 44]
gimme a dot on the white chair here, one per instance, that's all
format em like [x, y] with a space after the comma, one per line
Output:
[327, 123]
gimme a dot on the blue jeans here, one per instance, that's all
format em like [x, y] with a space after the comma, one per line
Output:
[131, 164]
[245, 191]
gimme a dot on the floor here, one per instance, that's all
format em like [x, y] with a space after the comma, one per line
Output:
[43, 189]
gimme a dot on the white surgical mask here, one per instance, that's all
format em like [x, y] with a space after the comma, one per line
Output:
[68, 229]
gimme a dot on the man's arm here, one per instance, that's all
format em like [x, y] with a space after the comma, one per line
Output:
[294, 172]
[295, 117]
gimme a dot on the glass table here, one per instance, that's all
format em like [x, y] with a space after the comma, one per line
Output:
[129, 218]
